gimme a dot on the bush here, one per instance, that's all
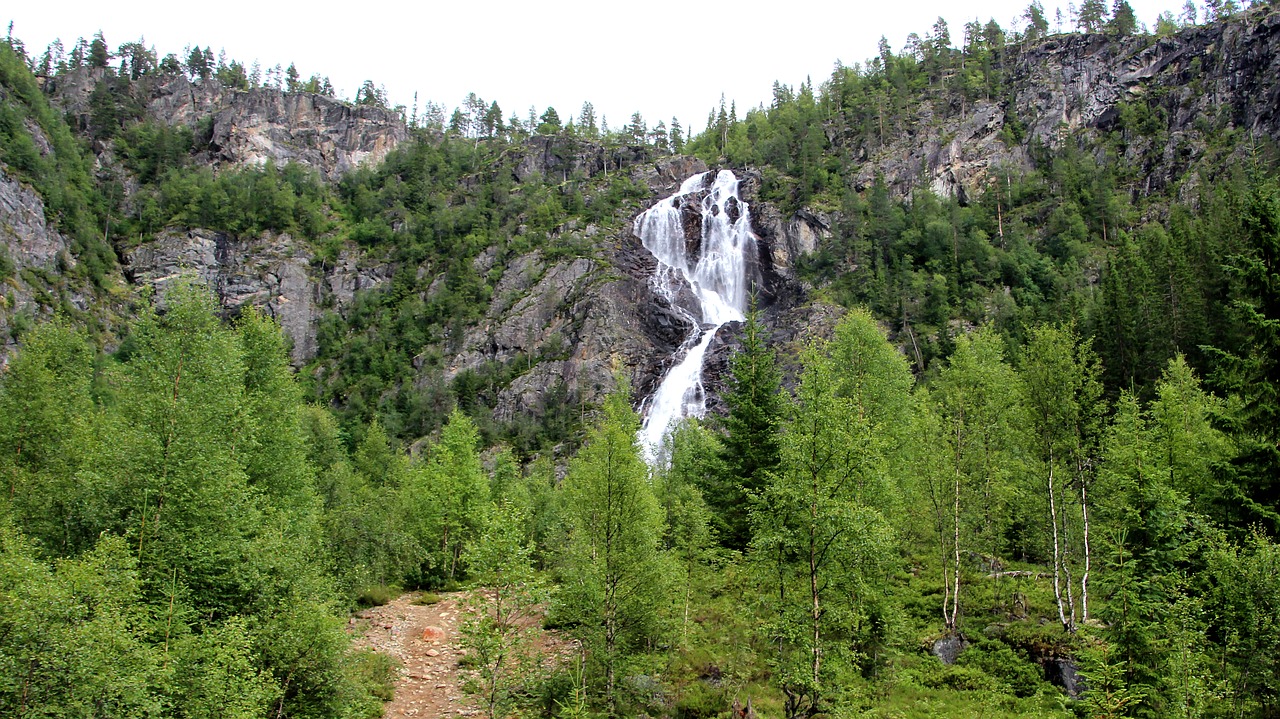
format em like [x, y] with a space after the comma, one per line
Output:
[1020, 676]
[700, 701]
[375, 595]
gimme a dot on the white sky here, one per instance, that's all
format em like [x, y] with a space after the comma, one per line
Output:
[662, 59]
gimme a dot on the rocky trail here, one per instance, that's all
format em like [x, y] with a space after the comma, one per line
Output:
[425, 640]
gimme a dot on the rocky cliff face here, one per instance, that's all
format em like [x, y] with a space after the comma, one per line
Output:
[1222, 75]
[566, 322]
[559, 324]
[251, 127]
[571, 323]
[34, 258]
[275, 273]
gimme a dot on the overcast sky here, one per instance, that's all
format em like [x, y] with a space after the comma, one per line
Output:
[662, 59]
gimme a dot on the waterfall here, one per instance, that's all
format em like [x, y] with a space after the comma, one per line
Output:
[708, 293]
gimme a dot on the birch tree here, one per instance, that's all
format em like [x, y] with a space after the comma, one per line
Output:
[819, 541]
[979, 445]
[1062, 382]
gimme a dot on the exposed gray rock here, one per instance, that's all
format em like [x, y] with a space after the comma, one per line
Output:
[173, 254]
[782, 241]
[558, 157]
[351, 275]
[27, 236]
[257, 126]
[29, 243]
[1222, 74]
[1064, 673]
[272, 272]
[252, 127]
[948, 649]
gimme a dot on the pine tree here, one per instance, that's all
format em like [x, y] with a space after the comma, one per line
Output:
[1123, 21]
[587, 121]
[1037, 23]
[99, 53]
[1093, 15]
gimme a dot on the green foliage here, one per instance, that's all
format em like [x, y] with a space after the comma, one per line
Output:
[693, 455]
[1062, 380]
[63, 177]
[996, 659]
[1108, 695]
[45, 420]
[183, 506]
[181, 534]
[980, 441]
[750, 449]
[1248, 365]
[820, 540]
[499, 633]
[245, 201]
[151, 149]
[216, 675]
[447, 500]
[74, 640]
[431, 210]
[1244, 600]
[613, 577]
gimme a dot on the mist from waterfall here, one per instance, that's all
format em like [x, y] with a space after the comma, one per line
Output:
[716, 284]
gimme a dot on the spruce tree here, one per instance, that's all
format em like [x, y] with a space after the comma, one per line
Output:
[751, 443]
[1250, 369]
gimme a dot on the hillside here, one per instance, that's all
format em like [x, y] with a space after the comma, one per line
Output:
[994, 435]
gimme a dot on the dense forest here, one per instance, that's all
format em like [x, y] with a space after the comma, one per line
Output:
[1034, 469]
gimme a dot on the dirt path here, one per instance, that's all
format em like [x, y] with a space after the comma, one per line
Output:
[425, 640]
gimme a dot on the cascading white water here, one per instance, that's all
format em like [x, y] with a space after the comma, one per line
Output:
[717, 282]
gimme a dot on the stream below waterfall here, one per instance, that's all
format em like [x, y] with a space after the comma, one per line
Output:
[708, 287]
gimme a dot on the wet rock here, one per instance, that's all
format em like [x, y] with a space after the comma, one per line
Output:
[1064, 673]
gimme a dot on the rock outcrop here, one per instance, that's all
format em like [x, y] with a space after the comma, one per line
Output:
[561, 322]
[1202, 79]
[275, 273]
[34, 258]
[570, 323]
[252, 127]
[561, 158]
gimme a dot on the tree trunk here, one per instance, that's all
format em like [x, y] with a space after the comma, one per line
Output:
[816, 611]
[955, 567]
[1084, 580]
[1057, 549]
